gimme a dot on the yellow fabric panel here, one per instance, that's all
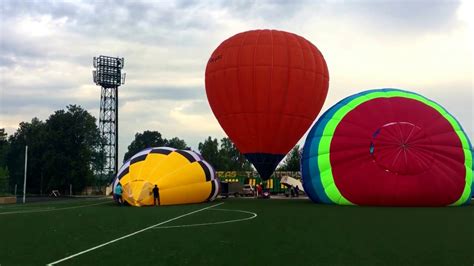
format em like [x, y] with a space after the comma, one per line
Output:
[193, 193]
[134, 169]
[188, 174]
[170, 163]
[151, 162]
[138, 193]
[125, 179]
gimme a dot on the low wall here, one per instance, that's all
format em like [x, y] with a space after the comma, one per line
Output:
[7, 200]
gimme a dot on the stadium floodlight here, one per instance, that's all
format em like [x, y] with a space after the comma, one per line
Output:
[108, 74]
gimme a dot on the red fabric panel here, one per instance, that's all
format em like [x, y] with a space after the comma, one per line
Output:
[430, 172]
[266, 87]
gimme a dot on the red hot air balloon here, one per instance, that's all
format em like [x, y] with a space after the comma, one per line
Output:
[266, 88]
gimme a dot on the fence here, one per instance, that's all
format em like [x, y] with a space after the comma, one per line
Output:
[252, 178]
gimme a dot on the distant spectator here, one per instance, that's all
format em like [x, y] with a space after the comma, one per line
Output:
[297, 191]
[259, 190]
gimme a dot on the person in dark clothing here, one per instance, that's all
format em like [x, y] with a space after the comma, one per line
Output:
[156, 195]
[297, 191]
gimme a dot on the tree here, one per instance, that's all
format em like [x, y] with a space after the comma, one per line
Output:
[73, 140]
[4, 146]
[292, 160]
[4, 178]
[176, 143]
[4, 174]
[144, 140]
[230, 157]
[149, 139]
[60, 151]
[210, 151]
[32, 134]
[227, 158]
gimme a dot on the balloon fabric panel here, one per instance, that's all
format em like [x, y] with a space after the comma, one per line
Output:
[413, 188]
[186, 175]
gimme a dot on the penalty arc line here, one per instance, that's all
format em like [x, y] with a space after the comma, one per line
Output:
[254, 215]
[131, 234]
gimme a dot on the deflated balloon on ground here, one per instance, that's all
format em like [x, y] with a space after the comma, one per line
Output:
[182, 176]
[388, 147]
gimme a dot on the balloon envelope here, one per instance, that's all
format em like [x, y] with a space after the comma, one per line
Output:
[182, 176]
[388, 147]
[265, 88]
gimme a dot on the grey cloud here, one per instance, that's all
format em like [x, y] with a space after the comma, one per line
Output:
[15, 46]
[11, 103]
[401, 16]
[145, 21]
[275, 12]
[174, 29]
[6, 61]
[157, 22]
[406, 16]
[161, 93]
[200, 106]
[57, 9]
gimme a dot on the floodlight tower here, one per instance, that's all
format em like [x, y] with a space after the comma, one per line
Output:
[108, 74]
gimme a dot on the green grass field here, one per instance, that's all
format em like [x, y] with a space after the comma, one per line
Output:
[237, 232]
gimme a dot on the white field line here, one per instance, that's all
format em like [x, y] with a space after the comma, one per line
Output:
[26, 209]
[52, 209]
[21, 207]
[131, 234]
[46, 203]
[254, 215]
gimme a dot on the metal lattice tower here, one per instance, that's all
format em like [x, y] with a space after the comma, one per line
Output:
[109, 76]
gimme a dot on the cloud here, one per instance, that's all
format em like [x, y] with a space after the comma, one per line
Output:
[409, 17]
[161, 93]
[47, 49]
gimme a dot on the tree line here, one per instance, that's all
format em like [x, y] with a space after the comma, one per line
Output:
[223, 155]
[65, 150]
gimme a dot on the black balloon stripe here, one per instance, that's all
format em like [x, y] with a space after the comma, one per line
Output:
[213, 190]
[206, 170]
[217, 183]
[138, 158]
[123, 173]
[186, 155]
[161, 151]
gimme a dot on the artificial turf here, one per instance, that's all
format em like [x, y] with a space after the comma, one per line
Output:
[285, 232]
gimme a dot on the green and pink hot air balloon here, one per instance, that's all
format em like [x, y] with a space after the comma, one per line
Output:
[388, 147]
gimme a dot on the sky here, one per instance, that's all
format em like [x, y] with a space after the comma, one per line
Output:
[47, 49]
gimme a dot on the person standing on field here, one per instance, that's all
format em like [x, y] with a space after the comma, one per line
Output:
[156, 195]
[118, 193]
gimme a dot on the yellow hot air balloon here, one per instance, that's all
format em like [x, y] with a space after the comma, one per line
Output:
[182, 177]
